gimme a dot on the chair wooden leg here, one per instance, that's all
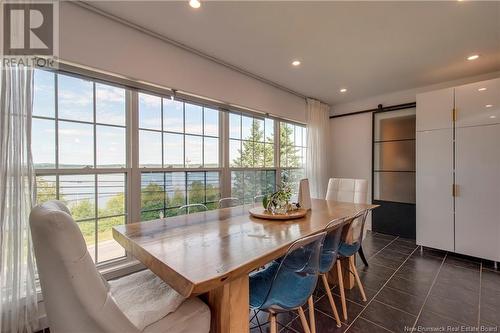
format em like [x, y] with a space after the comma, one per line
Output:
[312, 320]
[303, 320]
[273, 324]
[342, 291]
[356, 276]
[330, 298]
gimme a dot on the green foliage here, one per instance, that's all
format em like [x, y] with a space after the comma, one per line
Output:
[290, 156]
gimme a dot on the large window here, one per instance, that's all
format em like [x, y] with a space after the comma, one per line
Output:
[79, 151]
[181, 136]
[251, 156]
[118, 155]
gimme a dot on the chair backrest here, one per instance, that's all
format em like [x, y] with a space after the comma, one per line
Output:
[331, 244]
[193, 208]
[75, 295]
[297, 275]
[229, 202]
[355, 227]
[347, 190]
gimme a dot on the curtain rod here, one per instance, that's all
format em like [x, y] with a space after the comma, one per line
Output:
[190, 49]
[379, 108]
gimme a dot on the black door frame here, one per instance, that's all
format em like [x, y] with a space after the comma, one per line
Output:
[396, 210]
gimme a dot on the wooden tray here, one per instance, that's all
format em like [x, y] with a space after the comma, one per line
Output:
[261, 213]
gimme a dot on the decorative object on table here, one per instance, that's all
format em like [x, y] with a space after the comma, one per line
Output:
[262, 213]
[277, 206]
[304, 198]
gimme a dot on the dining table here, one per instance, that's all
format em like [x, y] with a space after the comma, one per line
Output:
[211, 253]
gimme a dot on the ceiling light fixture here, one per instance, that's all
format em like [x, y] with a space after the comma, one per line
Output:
[493, 117]
[296, 63]
[473, 57]
[195, 3]
[488, 105]
[482, 89]
[343, 90]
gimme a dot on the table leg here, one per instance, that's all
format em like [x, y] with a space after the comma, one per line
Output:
[229, 305]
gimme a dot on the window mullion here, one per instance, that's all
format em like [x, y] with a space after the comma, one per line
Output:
[134, 194]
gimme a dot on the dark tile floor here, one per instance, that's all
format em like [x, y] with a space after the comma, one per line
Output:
[408, 289]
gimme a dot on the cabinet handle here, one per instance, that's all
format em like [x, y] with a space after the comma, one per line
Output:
[454, 190]
[454, 115]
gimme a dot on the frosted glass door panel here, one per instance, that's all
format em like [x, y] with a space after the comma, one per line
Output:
[394, 156]
[477, 203]
[394, 186]
[434, 189]
[478, 103]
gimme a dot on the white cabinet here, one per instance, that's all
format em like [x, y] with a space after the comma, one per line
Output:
[434, 184]
[434, 110]
[477, 202]
[463, 154]
[478, 103]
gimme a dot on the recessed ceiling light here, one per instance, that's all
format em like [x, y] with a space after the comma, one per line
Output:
[488, 105]
[473, 57]
[296, 63]
[493, 117]
[195, 3]
[482, 89]
[343, 90]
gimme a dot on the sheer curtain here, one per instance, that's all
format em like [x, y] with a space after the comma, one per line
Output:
[318, 125]
[18, 299]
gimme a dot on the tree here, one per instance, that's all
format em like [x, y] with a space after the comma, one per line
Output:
[45, 190]
[254, 153]
[290, 157]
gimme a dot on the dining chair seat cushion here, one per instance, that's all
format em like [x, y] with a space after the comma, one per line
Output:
[144, 298]
[347, 250]
[293, 289]
[192, 316]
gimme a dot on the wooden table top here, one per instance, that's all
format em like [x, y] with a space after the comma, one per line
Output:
[199, 252]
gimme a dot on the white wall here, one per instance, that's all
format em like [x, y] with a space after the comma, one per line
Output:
[89, 39]
[351, 136]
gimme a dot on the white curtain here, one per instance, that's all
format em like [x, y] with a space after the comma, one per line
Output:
[318, 126]
[18, 299]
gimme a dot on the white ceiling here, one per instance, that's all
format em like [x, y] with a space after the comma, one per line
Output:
[368, 47]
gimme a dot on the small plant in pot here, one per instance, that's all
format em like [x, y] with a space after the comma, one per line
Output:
[279, 201]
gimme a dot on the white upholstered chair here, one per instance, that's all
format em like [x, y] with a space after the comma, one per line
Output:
[78, 299]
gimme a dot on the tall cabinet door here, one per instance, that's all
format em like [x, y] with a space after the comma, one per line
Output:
[434, 168]
[435, 227]
[435, 110]
[477, 169]
[477, 204]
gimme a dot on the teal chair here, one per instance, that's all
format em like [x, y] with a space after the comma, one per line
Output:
[328, 259]
[288, 283]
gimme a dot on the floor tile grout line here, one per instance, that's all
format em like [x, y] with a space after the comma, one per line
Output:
[378, 292]
[480, 292]
[392, 306]
[386, 329]
[430, 289]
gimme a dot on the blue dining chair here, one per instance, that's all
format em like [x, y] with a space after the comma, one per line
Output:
[349, 250]
[328, 259]
[287, 284]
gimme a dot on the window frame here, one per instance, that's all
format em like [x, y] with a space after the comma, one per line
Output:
[133, 171]
[94, 170]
